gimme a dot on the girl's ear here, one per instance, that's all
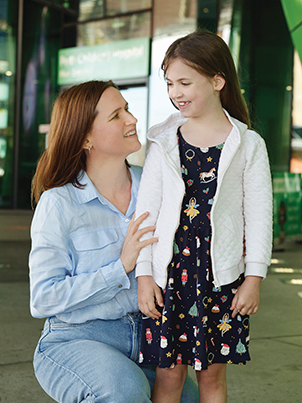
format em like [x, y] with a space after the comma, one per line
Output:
[219, 82]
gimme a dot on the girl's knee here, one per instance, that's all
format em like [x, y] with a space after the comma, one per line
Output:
[215, 374]
[172, 376]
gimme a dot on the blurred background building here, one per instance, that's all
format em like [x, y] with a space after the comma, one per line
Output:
[49, 45]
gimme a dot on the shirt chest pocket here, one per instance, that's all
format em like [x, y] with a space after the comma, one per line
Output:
[95, 249]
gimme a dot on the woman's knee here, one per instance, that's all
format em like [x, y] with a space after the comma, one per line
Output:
[90, 372]
[133, 386]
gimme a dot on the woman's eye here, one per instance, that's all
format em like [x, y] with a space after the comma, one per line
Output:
[115, 116]
[185, 84]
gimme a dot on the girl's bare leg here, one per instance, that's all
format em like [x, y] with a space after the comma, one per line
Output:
[212, 384]
[168, 384]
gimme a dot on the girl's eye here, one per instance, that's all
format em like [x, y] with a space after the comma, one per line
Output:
[115, 116]
[185, 84]
[169, 84]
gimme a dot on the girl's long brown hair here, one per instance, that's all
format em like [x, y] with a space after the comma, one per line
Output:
[71, 121]
[209, 55]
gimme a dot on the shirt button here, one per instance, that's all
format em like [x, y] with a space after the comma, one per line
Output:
[127, 220]
[120, 286]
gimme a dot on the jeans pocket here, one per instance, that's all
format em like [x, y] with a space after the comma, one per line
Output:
[57, 324]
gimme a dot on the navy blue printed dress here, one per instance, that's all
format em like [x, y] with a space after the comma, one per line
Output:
[196, 327]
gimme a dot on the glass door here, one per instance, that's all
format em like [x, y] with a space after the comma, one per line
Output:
[137, 98]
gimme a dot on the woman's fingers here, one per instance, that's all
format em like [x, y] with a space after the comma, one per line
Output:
[132, 244]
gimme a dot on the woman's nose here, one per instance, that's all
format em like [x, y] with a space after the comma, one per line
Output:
[130, 119]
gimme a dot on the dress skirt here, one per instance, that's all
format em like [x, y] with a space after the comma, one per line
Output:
[196, 327]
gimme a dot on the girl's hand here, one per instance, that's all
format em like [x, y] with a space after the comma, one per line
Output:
[148, 292]
[247, 298]
[132, 244]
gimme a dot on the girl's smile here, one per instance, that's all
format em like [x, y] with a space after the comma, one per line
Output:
[183, 105]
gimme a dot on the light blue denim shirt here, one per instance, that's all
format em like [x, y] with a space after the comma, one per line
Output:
[75, 269]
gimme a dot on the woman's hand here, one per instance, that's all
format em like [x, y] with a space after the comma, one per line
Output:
[247, 298]
[132, 244]
[147, 294]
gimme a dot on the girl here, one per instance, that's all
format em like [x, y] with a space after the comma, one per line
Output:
[207, 186]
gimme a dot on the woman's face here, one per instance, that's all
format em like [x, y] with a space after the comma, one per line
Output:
[113, 132]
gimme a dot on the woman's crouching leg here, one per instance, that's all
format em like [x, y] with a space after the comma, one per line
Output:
[90, 372]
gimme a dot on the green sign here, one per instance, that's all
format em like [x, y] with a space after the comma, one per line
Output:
[293, 13]
[287, 206]
[116, 61]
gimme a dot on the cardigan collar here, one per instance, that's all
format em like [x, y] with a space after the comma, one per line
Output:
[164, 134]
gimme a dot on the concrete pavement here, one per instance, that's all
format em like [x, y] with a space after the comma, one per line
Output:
[273, 376]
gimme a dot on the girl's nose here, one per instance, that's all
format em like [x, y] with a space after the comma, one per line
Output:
[175, 91]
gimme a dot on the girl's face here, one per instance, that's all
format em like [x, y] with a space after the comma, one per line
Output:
[113, 132]
[193, 93]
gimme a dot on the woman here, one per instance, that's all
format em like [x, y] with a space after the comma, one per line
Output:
[85, 242]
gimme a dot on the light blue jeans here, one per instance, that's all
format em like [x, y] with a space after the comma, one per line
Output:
[96, 362]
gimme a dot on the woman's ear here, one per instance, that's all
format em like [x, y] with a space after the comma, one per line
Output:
[219, 82]
[87, 144]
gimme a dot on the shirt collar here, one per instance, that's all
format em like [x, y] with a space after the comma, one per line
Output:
[88, 192]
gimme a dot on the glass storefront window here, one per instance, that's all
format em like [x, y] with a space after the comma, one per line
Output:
[296, 141]
[137, 98]
[91, 9]
[171, 20]
[126, 6]
[68, 4]
[42, 37]
[114, 29]
[7, 97]
[174, 16]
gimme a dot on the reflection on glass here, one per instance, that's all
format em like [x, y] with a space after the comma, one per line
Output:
[174, 17]
[114, 29]
[126, 6]
[42, 37]
[66, 3]
[296, 140]
[91, 9]
[7, 94]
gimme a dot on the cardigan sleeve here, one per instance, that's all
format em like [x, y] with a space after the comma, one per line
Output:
[258, 206]
[149, 199]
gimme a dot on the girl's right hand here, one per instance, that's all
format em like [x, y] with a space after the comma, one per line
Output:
[132, 244]
[149, 293]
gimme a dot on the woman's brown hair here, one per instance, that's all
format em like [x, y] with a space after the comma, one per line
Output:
[71, 121]
[209, 55]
